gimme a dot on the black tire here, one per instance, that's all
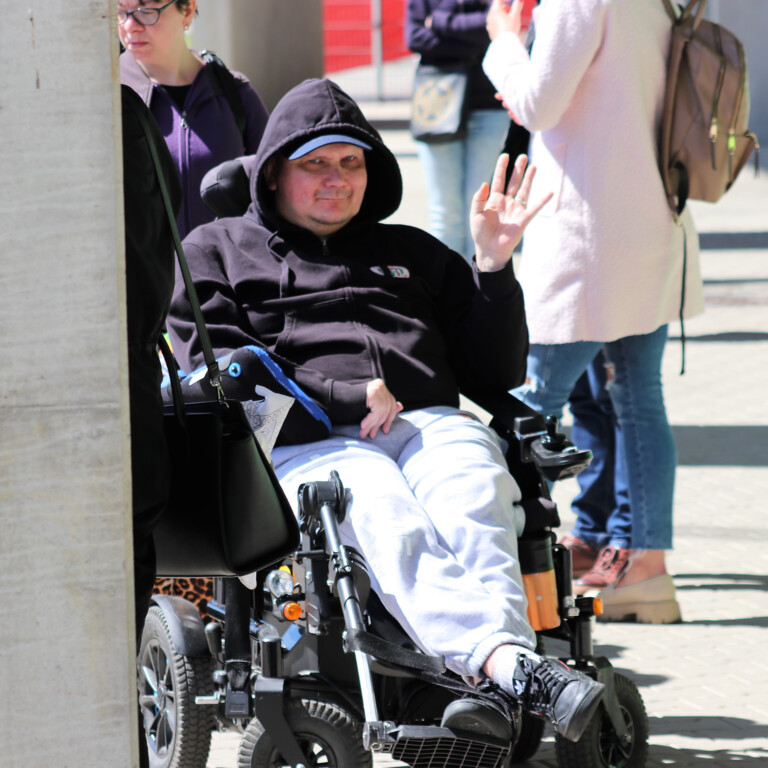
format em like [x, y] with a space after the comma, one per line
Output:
[327, 735]
[531, 734]
[177, 730]
[599, 746]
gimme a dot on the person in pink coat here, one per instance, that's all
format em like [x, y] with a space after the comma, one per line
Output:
[604, 265]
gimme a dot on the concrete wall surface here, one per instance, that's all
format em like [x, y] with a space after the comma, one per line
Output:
[276, 44]
[66, 573]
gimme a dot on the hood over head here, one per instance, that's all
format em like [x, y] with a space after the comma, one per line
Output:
[318, 108]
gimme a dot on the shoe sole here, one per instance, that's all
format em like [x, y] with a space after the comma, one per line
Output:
[583, 589]
[662, 612]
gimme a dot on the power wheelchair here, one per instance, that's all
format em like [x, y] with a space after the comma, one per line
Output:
[313, 672]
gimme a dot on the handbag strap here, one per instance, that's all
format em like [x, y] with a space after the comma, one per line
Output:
[214, 376]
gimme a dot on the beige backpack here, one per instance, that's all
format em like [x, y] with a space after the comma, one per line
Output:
[704, 140]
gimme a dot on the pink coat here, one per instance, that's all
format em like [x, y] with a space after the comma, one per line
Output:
[604, 258]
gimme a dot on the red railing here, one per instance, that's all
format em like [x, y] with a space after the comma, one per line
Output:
[348, 32]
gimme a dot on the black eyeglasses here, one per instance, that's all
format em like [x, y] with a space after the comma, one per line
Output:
[147, 17]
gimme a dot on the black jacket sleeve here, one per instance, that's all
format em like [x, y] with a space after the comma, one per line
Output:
[486, 328]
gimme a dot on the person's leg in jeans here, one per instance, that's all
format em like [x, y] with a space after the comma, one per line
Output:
[603, 519]
[486, 130]
[651, 456]
[443, 167]
[644, 589]
[553, 371]
[602, 503]
[454, 171]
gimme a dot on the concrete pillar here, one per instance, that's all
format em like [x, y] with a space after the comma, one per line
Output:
[275, 43]
[66, 573]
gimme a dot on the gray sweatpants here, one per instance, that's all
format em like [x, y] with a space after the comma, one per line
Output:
[434, 511]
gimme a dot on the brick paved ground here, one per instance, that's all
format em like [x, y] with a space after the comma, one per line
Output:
[705, 681]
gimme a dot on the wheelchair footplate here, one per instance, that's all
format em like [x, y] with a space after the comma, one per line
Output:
[424, 746]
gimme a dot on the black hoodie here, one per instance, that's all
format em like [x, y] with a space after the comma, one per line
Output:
[370, 301]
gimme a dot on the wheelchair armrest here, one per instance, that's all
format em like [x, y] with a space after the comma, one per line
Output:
[561, 462]
[509, 413]
[537, 437]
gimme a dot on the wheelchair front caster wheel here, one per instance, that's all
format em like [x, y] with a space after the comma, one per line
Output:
[599, 746]
[327, 735]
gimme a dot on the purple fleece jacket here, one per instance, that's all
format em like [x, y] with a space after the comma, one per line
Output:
[203, 134]
[371, 301]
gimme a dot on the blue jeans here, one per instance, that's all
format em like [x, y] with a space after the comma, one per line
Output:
[454, 171]
[603, 515]
[638, 401]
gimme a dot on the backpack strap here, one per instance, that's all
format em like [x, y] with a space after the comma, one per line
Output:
[670, 10]
[229, 86]
[686, 12]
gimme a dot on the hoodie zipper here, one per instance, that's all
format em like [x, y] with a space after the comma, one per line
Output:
[377, 369]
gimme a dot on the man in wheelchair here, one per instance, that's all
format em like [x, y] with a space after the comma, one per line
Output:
[383, 326]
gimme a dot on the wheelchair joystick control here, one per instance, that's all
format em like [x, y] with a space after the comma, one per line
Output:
[553, 440]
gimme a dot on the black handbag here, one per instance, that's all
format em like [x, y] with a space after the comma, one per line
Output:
[227, 515]
[439, 105]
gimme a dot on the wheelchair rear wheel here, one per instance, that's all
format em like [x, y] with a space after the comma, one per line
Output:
[177, 730]
[599, 746]
[327, 735]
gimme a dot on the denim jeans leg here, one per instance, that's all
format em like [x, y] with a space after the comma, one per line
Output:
[593, 429]
[553, 370]
[619, 526]
[442, 165]
[651, 456]
[602, 504]
[557, 372]
[486, 131]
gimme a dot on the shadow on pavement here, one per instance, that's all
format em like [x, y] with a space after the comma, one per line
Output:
[732, 240]
[710, 726]
[662, 755]
[723, 581]
[721, 446]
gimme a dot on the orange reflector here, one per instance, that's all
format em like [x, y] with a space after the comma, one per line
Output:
[597, 606]
[292, 611]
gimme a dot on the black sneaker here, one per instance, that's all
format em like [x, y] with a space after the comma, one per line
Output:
[564, 696]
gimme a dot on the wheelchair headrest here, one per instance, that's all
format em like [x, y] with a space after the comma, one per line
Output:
[226, 188]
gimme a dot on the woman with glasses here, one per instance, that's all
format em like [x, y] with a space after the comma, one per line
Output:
[206, 113]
